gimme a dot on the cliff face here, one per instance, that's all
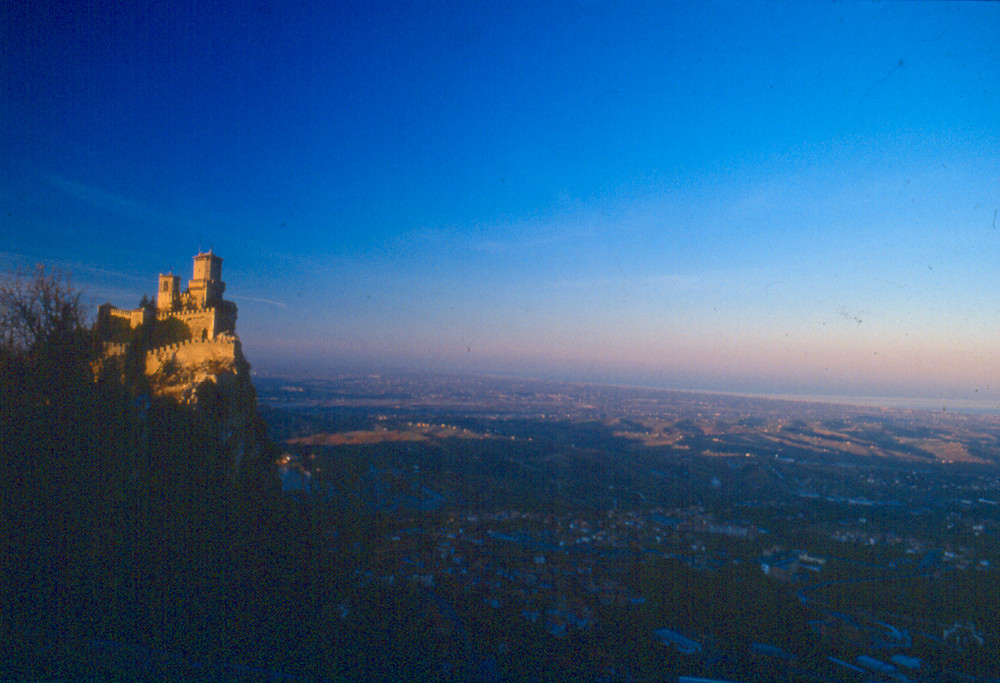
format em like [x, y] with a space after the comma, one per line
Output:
[213, 378]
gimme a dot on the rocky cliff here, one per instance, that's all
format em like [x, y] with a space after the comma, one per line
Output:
[213, 378]
[210, 380]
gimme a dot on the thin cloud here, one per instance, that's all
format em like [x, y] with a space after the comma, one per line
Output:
[109, 201]
[260, 301]
[79, 267]
[28, 262]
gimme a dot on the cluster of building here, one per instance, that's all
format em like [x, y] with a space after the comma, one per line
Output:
[197, 313]
[551, 570]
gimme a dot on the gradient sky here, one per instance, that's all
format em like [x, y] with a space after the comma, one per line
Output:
[789, 197]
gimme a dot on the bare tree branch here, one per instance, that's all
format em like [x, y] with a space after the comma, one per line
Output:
[37, 310]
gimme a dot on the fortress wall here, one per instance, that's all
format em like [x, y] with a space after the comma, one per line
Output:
[194, 352]
[200, 322]
[134, 318]
[184, 314]
[115, 349]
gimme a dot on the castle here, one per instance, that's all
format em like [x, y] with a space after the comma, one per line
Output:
[198, 313]
[184, 339]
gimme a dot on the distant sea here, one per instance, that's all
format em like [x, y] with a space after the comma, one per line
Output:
[958, 405]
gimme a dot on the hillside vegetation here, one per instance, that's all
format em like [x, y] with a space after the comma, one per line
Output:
[120, 524]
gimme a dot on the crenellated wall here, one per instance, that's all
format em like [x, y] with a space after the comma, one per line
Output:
[204, 322]
[132, 318]
[201, 323]
[115, 349]
[193, 353]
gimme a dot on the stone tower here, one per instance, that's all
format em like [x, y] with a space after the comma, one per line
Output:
[168, 293]
[206, 286]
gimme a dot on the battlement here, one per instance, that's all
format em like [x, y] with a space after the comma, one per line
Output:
[206, 322]
[221, 341]
[184, 313]
[115, 349]
[114, 322]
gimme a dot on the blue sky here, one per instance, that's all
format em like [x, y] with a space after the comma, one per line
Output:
[794, 198]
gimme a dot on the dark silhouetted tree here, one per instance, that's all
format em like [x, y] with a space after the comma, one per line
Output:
[47, 443]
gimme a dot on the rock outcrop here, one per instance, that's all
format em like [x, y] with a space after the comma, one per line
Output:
[186, 352]
[213, 378]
